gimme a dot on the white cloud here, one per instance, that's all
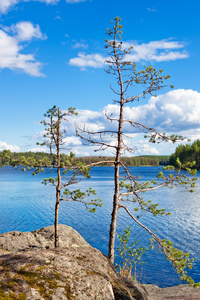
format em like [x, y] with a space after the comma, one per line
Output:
[144, 148]
[81, 152]
[140, 147]
[176, 112]
[97, 121]
[39, 136]
[5, 146]
[81, 44]
[72, 141]
[26, 31]
[89, 60]
[155, 51]
[11, 48]
[38, 149]
[164, 50]
[6, 4]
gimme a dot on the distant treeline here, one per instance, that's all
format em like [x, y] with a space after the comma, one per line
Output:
[15, 155]
[147, 160]
[128, 161]
[187, 153]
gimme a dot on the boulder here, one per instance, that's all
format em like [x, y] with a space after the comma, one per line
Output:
[41, 239]
[179, 292]
[31, 268]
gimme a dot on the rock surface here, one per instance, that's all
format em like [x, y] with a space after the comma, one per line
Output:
[179, 292]
[30, 268]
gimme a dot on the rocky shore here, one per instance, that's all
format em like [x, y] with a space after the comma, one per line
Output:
[30, 268]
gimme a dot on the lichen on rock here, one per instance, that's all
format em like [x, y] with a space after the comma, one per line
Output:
[31, 268]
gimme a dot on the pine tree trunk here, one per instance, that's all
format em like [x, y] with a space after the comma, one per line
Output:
[58, 187]
[113, 223]
[56, 218]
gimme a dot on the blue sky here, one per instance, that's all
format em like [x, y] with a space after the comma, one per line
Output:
[52, 52]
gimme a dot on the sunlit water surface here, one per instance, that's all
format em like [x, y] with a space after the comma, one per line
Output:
[26, 205]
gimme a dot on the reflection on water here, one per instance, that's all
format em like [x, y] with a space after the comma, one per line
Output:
[26, 204]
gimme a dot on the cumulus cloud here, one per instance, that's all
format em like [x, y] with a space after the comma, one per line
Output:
[26, 31]
[11, 47]
[164, 50]
[174, 112]
[144, 148]
[88, 60]
[177, 110]
[5, 146]
[140, 147]
[6, 4]
[39, 136]
[72, 141]
[81, 152]
[155, 51]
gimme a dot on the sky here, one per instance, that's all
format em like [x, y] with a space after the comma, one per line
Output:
[52, 52]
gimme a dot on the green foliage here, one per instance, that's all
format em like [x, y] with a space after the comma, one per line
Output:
[130, 255]
[132, 188]
[182, 175]
[69, 171]
[156, 137]
[135, 198]
[187, 154]
[5, 157]
[181, 261]
[128, 187]
[148, 81]
[31, 160]
[47, 159]
[88, 198]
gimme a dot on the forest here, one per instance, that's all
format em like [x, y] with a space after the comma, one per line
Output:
[133, 161]
[187, 153]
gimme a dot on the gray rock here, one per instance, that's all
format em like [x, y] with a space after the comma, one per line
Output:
[32, 268]
[179, 292]
[40, 238]
[33, 294]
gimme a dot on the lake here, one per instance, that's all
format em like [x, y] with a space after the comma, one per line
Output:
[26, 205]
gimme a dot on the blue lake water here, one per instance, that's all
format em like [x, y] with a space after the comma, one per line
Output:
[26, 205]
